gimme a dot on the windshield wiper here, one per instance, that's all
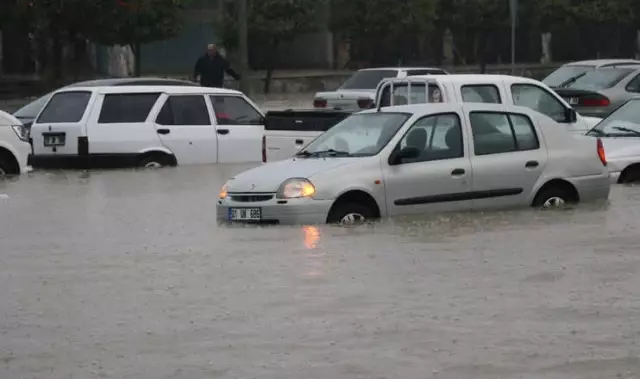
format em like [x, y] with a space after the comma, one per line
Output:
[623, 129]
[571, 80]
[597, 132]
[331, 152]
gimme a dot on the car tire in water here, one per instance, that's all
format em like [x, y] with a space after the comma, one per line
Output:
[153, 161]
[6, 168]
[553, 197]
[349, 214]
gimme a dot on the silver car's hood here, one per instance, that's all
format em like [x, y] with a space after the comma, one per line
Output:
[269, 177]
[621, 147]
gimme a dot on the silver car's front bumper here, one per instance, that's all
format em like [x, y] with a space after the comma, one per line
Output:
[278, 211]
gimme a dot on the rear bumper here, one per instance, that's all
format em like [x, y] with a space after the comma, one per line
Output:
[52, 161]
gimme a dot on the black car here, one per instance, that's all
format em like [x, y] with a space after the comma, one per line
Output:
[30, 111]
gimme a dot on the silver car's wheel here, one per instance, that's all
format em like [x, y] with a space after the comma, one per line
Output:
[352, 218]
[553, 202]
[153, 165]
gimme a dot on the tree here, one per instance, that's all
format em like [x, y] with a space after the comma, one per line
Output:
[270, 23]
[134, 23]
[483, 18]
[383, 23]
[601, 20]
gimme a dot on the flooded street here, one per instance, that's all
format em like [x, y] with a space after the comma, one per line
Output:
[125, 274]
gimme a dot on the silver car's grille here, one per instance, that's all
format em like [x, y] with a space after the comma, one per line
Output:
[250, 197]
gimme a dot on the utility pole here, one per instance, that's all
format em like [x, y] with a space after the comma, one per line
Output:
[243, 48]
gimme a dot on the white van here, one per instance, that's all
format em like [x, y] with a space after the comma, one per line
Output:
[146, 126]
[14, 146]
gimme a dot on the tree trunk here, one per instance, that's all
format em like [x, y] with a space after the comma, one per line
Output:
[137, 60]
[271, 61]
[56, 54]
[482, 51]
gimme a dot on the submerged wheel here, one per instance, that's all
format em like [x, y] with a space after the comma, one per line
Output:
[350, 214]
[7, 168]
[153, 161]
[553, 197]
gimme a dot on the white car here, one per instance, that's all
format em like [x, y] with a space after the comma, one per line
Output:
[14, 146]
[146, 126]
[620, 134]
[417, 159]
[359, 91]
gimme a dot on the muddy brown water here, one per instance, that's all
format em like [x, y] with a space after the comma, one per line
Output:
[125, 274]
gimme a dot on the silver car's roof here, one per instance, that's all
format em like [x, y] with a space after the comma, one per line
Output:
[603, 62]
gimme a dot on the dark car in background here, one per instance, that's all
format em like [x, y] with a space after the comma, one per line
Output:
[30, 111]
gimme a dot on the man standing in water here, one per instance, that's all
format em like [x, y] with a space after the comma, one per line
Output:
[210, 69]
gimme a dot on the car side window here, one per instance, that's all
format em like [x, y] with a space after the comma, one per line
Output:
[538, 99]
[436, 137]
[634, 85]
[234, 110]
[184, 110]
[65, 107]
[480, 93]
[126, 107]
[497, 133]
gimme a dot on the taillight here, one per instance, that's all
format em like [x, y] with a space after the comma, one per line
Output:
[599, 101]
[601, 154]
[365, 103]
[319, 103]
[264, 149]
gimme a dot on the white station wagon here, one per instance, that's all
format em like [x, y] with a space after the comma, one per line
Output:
[147, 126]
[416, 159]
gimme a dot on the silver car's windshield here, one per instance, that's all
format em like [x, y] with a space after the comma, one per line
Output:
[564, 74]
[359, 135]
[624, 122]
[601, 79]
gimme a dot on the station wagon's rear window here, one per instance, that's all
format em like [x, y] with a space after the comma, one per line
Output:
[126, 107]
[368, 79]
[480, 93]
[65, 107]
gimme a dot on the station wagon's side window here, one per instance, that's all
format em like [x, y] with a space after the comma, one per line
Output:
[234, 110]
[65, 107]
[497, 133]
[538, 99]
[184, 110]
[126, 107]
[480, 93]
[437, 137]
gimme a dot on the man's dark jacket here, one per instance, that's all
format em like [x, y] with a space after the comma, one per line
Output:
[212, 69]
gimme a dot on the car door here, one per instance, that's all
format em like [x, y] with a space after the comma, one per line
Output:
[184, 126]
[61, 122]
[507, 158]
[240, 127]
[439, 178]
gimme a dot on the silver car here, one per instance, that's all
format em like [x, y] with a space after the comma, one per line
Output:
[416, 159]
[569, 72]
[620, 134]
[599, 92]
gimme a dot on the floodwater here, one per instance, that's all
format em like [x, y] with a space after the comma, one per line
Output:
[125, 274]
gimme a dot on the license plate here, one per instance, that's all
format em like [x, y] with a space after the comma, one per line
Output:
[573, 101]
[54, 139]
[245, 214]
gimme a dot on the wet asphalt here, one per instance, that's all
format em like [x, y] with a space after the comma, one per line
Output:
[126, 274]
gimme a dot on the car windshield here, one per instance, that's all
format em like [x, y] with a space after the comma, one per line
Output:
[32, 109]
[359, 135]
[601, 79]
[368, 79]
[564, 74]
[623, 122]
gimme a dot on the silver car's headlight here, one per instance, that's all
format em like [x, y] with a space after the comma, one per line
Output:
[21, 132]
[223, 191]
[296, 188]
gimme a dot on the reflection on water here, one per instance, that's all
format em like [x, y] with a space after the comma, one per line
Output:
[315, 264]
[311, 236]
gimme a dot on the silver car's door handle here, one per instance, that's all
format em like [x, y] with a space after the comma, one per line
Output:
[532, 164]
[458, 172]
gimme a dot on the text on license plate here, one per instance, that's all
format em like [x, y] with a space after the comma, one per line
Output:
[245, 214]
[54, 139]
